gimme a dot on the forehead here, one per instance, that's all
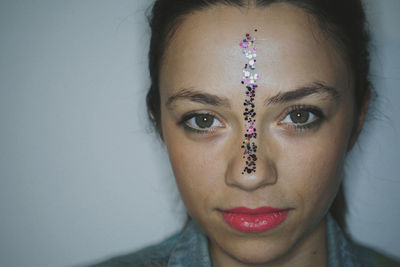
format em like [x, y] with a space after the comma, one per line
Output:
[204, 51]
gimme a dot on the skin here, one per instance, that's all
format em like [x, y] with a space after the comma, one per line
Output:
[297, 168]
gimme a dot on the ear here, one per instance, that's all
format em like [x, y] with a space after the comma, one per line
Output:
[358, 124]
[160, 133]
[159, 129]
[156, 124]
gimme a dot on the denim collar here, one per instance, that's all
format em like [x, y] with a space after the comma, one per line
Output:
[340, 250]
[192, 248]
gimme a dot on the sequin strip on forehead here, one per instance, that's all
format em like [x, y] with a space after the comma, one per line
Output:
[249, 80]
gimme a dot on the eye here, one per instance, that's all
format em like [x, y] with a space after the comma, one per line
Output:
[201, 122]
[303, 117]
[299, 117]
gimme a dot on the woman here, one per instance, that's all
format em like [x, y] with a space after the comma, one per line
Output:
[258, 103]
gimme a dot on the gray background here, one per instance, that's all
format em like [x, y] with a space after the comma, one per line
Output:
[81, 175]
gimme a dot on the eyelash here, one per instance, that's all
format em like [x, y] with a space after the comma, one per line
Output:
[187, 117]
[316, 112]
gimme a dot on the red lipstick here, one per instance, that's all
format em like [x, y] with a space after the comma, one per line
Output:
[254, 220]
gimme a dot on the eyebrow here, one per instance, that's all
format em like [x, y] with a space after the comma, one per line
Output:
[199, 97]
[214, 100]
[312, 89]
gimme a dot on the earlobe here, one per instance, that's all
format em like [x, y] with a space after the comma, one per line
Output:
[160, 131]
[359, 120]
[157, 125]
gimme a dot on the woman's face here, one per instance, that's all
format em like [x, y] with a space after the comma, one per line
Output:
[304, 118]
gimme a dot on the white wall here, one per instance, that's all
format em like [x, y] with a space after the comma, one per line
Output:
[81, 177]
[373, 171]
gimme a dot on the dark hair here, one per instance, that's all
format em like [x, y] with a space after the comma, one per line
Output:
[343, 20]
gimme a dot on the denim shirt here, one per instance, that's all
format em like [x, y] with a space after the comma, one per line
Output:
[189, 248]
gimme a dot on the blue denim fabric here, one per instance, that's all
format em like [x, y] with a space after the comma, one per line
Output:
[190, 249]
[340, 251]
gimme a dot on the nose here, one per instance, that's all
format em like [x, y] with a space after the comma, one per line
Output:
[265, 174]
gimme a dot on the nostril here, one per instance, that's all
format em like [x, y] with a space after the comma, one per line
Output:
[266, 175]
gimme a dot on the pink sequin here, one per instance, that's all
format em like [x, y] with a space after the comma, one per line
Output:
[248, 80]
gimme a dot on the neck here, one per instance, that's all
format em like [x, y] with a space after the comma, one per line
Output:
[311, 251]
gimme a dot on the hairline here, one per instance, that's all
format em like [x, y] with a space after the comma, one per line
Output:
[329, 31]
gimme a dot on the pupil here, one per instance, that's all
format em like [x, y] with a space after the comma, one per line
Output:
[300, 116]
[204, 121]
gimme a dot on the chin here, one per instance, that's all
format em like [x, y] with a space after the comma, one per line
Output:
[255, 252]
[258, 257]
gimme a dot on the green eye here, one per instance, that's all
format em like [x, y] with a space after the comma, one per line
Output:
[303, 117]
[300, 116]
[204, 121]
[201, 122]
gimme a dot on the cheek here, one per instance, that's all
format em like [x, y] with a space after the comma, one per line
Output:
[198, 169]
[313, 164]
[313, 169]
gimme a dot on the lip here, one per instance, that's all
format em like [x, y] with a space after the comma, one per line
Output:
[260, 219]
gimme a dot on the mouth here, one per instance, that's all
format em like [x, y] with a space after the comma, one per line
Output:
[254, 220]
